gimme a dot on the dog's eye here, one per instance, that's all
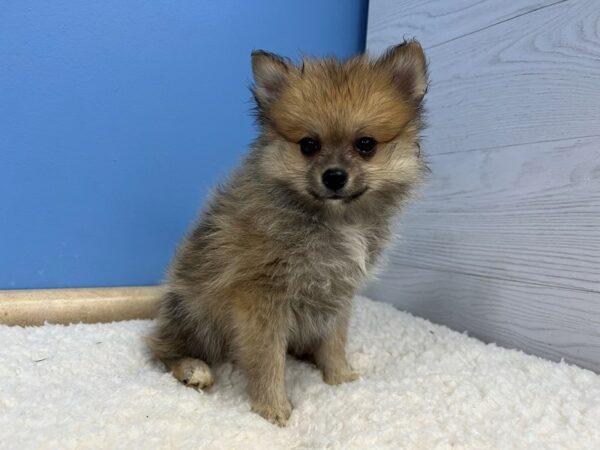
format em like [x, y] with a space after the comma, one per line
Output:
[309, 146]
[365, 145]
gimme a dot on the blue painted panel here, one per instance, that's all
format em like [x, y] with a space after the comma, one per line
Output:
[116, 118]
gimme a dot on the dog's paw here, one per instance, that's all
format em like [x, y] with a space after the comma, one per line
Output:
[278, 413]
[193, 373]
[340, 376]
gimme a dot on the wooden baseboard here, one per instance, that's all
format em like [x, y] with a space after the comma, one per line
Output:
[38, 306]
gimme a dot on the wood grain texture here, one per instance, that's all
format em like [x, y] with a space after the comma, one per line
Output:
[525, 80]
[528, 213]
[547, 321]
[435, 22]
[505, 239]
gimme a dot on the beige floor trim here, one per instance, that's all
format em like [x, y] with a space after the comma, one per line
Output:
[37, 306]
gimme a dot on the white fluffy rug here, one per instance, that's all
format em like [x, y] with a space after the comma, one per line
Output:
[423, 386]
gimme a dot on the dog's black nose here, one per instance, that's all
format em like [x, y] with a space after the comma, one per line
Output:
[335, 179]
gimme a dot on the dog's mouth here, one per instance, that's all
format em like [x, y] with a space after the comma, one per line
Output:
[347, 198]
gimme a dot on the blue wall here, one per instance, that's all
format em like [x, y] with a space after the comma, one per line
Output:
[116, 118]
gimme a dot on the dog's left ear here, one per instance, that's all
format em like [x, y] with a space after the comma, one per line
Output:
[271, 74]
[408, 68]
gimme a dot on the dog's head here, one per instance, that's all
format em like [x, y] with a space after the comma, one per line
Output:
[335, 132]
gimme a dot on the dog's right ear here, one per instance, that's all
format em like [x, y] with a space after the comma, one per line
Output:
[271, 74]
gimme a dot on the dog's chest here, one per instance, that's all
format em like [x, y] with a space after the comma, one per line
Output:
[325, 271]
[333, 260]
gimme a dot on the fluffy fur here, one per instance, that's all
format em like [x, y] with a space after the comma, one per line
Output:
[277, 257]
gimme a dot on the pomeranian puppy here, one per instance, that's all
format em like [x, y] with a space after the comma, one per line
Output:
[284, 244]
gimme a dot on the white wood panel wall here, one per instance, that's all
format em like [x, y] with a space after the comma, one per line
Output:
[505, 240]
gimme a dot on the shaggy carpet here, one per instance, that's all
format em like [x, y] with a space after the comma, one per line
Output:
[423, 386]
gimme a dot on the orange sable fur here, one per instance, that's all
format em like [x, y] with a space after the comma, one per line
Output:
[284, 244]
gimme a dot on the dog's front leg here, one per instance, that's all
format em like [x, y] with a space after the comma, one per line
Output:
[330, 356]
[260, 340]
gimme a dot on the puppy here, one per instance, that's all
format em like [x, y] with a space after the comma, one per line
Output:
[284, 244]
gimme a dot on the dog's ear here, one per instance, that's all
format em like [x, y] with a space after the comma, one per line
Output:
[271, 74]
[408, 67]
